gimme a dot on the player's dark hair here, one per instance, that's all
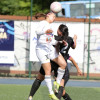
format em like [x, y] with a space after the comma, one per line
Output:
[64, 29]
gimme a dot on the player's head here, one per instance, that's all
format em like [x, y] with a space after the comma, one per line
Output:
[63, 31]
[50, 16]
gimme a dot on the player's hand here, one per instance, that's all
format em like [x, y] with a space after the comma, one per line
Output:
[49, 31]
[75, 37]
[64, 42]
[79, 73]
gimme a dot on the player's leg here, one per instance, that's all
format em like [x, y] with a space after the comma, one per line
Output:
[61, 70]
[66, 78]
[66, 96]
[47, 69]
[62, 84]
[61, 91]
[58, 59]
[36, 84]
[45, 62]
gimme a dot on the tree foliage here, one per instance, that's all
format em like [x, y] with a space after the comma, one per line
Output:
[23, 7]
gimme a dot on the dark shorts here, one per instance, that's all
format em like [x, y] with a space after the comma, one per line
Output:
[54, 67]
[68, 56]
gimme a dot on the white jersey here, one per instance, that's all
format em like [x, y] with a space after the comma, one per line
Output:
[44, 49]
[44, 40]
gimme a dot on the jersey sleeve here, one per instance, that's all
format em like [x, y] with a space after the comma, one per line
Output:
[70, 41]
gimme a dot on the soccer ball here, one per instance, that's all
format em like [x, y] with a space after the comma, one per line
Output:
[55, 7]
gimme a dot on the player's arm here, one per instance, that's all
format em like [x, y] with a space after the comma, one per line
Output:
[75, 64]
[74, 40]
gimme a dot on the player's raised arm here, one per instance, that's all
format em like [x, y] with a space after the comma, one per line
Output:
[74, 39]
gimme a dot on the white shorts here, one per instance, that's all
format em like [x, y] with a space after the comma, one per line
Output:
[45, 56]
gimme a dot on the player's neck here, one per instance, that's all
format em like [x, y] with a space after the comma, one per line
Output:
[48, 21]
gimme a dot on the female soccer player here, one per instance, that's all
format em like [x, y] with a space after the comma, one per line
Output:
[45, 51]
[64, 51]
[54, 67]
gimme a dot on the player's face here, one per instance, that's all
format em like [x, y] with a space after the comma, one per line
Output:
[51, 17]
[59, 32]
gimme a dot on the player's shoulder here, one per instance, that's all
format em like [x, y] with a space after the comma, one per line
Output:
[70, 38]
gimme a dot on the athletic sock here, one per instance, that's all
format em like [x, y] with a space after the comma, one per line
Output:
[60, 75]
[60, 92]
[49, 83]
[66, 97]
[35, 87]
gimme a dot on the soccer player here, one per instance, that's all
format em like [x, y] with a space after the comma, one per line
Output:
[45, 51]
[64, 51]
[54, 67]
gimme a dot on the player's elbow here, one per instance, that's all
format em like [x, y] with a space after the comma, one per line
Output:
[73, 47]
[71, 59]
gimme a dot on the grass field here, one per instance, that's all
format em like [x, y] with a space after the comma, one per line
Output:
[21, 92]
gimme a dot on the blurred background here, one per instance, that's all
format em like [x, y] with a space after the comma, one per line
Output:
[18, 61]
[17, 16]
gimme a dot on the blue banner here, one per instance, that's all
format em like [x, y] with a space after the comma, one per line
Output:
[7, 43]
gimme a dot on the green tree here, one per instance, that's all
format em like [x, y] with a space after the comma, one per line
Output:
[15, 7]
[23, 7]
[8, 8]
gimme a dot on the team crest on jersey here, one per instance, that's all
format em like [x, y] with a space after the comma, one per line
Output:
[49, 37]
